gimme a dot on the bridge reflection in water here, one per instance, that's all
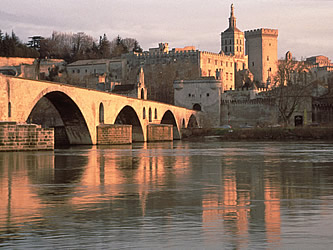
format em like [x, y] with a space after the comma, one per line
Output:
[218, 194]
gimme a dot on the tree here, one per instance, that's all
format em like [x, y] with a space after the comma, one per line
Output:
[104, 47]
[292, 87]
[118, 47]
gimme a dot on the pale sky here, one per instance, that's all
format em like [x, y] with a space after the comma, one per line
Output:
[305, 26]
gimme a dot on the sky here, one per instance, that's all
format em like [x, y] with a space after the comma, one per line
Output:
[305, 26]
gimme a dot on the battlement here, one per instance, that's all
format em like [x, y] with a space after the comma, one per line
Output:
[261, 32]
[171, 53]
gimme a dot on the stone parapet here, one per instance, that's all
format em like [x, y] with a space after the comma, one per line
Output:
[23, 137]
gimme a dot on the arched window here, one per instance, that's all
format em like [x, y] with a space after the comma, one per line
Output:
[197, 107]
[144, 113]
[9, 109]
[183, 123]
[149, 113]
[155, 117]
[101, 113]
[142, 94]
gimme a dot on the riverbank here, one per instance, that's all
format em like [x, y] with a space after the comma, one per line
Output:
[280, 133]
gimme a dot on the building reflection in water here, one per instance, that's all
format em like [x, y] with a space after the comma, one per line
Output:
[238, 200]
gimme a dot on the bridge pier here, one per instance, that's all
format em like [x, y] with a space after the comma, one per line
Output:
[110, 134]
[21, 137]
[159, 132]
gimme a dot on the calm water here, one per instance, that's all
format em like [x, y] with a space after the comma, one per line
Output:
[180, 195]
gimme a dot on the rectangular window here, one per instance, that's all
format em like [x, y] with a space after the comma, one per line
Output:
[221, 63]
[267, 58]
[208, 60]
[226, 76]
[215, 62]
[226, 64]
[209, 71]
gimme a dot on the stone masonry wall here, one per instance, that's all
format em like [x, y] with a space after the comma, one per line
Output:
[110, 134]
[159, 132]
[17, 137]
[251, 112]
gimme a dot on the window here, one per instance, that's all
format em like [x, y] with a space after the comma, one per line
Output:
[144, 113]
[237, 41]
[150, 115]
[78, 71]
[226, 64]
[9, 109]
[226, 48]
[73, 71]
[230, 76]
[231, 64]
[189, 95]
[207, 94]
[142, 94]
[237, 48]
[267, 58]
[226, 76]
[252, 63]
[215, 62]
[101, 113]
[155, 114]
[221, 63]
[86, 70]
[208, 60]
[209, 71]
[240, 48]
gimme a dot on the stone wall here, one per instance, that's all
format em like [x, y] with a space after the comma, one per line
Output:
[110, 134]
[17, 137]
[159, 132]
[15, 61]
[250, 112]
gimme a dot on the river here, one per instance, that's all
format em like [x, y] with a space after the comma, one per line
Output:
[174, 195]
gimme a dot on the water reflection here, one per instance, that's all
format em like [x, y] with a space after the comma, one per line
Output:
[233, 195]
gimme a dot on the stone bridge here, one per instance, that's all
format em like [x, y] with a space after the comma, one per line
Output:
[80, 112]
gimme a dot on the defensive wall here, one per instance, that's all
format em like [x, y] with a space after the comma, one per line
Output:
[257, 112]
[81, 110]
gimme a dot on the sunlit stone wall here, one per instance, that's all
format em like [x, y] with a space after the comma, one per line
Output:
[17, 137]
[109, 134]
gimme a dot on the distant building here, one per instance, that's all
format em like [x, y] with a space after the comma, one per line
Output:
[136, 90]
[88, 73]
[204, 95]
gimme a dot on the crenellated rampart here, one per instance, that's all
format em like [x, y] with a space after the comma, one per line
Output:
[261, 32]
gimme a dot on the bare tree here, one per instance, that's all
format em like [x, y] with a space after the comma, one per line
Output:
[292, 87]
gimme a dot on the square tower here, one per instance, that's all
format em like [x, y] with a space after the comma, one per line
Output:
[261, 47]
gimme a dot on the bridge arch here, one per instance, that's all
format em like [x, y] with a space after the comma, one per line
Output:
[169, 118]
[56, 109]
[128, 116]
[192, 122]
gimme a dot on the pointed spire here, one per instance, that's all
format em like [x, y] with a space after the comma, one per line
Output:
[232, 18]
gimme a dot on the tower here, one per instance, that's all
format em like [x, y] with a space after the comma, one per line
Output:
[232, 39]
[261, 48]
